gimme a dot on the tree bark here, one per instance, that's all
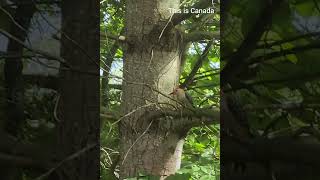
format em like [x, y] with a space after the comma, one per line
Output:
[78, 129]
[151, 65]
[14, 82]
[13, 69]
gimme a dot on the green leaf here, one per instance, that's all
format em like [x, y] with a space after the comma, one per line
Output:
[292, 58]
[185, 176]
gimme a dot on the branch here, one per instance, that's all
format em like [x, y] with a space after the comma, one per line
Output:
[106, 66]
[50, 82]
[205, 76]
[47, 2]
[202, 35]
[69, 158]
[317, 5]
[48, 55]
[237, 62]
[37, 51]
[22, 161]
[276, 43]
[4, 55]
[115, 86]
[24, 154]
[196, 116]
[288, 106]
[109, 116]
[197, 66]
[104, 36]
[283, 53]
[266, 150]
[298, 79]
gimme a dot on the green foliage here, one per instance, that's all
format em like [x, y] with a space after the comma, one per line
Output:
[40, 120]
[277, 83]
[201, 157]
[178, 176]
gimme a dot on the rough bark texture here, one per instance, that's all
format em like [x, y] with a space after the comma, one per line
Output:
[151, 64]
[79, 93]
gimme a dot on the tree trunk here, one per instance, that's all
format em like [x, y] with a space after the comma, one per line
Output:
[13, 69]
[151, 65]
[14, 82]
[79, 92]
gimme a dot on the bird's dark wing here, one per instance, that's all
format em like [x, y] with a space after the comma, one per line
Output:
[190, 100]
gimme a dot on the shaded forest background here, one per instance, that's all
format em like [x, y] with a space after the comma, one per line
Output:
[49, 90]
[270, 83]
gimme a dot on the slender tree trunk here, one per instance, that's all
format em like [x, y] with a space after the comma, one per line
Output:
[14, 83]
[107, 69]
[13, 69]
[79, 92]
[151, 64]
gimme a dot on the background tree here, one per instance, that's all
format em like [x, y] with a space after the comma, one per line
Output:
[79, 128]
[50, 126]
[13, 80]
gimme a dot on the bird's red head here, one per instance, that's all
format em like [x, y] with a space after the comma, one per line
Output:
[176, 91]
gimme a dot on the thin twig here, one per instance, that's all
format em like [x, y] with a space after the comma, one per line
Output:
[136, 141]
[71, 157]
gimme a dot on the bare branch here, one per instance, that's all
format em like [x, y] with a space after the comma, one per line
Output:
[195, 117]
[266, 150]
[202, 35]
[299, 78]
[69, 158]
[50, 82]
[22, 161]
[237, 63]
[293, 50]
[197, 66]
[23, 154]
[288, 106]
[276, 43]
[37, 51]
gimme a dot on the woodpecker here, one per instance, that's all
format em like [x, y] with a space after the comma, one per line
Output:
[182, 97]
